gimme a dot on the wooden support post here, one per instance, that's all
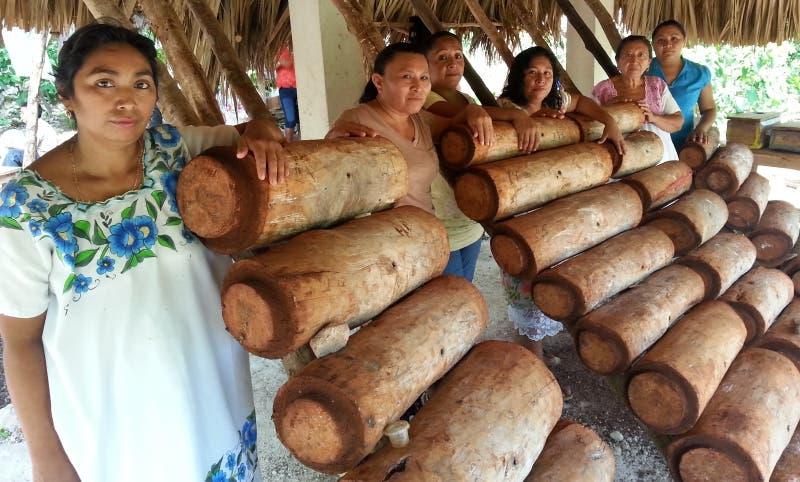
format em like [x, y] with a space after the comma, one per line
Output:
[606, 21]
[169, 29]
[229, 61]
[490, 30]
[592, 45]
[484, 95]
[32, 109]
[366, 34]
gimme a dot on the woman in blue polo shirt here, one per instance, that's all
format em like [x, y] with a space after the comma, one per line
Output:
[689, 82]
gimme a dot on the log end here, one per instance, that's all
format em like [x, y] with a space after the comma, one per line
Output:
[250, 319]
[694, 155]
[702, 464]
[743, 215]
[661, 403]
[679, 232]
[771, 247]
[457, 148]
[556, 300]
[311, 430]
[796, 282]
[721, 182]
[512, 255]
[476, 197]
[599, 353]
[209, 197]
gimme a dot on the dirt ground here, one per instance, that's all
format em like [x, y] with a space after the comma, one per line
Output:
[592, 403]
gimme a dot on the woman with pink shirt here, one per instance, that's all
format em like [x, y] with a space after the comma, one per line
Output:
[287, 91]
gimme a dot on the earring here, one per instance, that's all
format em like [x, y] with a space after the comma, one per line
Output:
[69, 114]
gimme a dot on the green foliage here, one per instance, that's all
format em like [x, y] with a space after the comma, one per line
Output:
[14, 89]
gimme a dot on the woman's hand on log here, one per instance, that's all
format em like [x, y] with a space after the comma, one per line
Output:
[699, 136]
[344, 128]
[261, 138]
[548, 112]
[481, 124]
[527, 133]
[612, 133]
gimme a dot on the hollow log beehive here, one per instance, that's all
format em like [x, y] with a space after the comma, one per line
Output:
[747, 205]
[695, 154]
[776, 232]
[573, 453]
[726, 171]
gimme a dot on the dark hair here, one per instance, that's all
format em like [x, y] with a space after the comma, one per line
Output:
[381, 61]
[514, 89]
[669, 23]
[631, 39]
[422, 38]
[91, 37]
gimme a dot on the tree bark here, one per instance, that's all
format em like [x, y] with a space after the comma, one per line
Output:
[491, 31]
[788, 465]
[365, 32]
[691, 220]
[661, 184]
[573, 453]
[606, 22]
[784, 335]
[721, 261]
[776, 232]
[589, 39]
[696, 154]
[628, 116]
[747, 205]
[190, 74]
[727, 170]
[222, 200]
[32, 108]
[423, 9]
[759, 297]
[643, 149]
[275, 302]
[229, 61]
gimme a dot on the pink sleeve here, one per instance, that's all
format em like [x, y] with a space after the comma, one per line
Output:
[604, 92]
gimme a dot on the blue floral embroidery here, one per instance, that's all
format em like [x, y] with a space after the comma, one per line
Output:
[166, 135]
[35, 228]
[244, 457]
[81, 283]
[60, 228]
[105, 265]
[37, 206]
[125, 239]
[11, 198]
[147, 228]
[170, 182]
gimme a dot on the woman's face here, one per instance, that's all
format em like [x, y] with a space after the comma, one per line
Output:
[634, 59]
[668, 42]
[113, 94]
[405, 83]
[446, 59]
[538, 79]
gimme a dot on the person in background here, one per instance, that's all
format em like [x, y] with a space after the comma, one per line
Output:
[689, 82]
[115, 352]
[661, 112]
[287, 91]
[14, 141]
[533, 87]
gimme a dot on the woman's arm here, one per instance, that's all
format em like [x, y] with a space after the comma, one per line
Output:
[263, 139]
[586, 106]
[474, 116]
[26, 376]
[708, 113]
[668, 122]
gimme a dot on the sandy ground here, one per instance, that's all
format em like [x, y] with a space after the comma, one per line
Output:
[593, 403]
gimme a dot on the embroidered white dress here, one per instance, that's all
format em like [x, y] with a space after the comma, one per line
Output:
[145, 382]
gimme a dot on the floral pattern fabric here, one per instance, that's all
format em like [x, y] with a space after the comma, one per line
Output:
[523, 312]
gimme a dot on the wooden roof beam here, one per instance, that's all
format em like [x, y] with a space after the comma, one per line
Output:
[490, 30]
[589, 40]
[367, 36]
[424, 12]
[606, 22]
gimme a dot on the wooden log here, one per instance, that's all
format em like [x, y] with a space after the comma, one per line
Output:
[690, 221]
[578, 285]
[792, 264]
[721, 261]
[776, 232]
[643, 149]
[759, 297]
[459, 150]
[276, 301]
[222, 200]
[746, 425]
[747, 205]
[628, 115]
[610, 337]
[332, 413]
[788, 467]
[527, 244]
[487, 420]
[661, 184]
[784, 335]
[670, 386]
[726, 171]
[573, 453]
[695, 154]
[504, 188]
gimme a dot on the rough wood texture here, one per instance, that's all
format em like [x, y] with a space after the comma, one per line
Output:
[692, 220]
[759, 297]
[527, 244]
[578, 285]
[222, 200]
[661, 184]
[458, 149]
[746, 425]
[486, 421]
[643, 149]
[504, 188]
[788, 467]
[695, 154]
[573, 453]
[721, 261]
[784, 335]
[727, 170]
[610, 337]
[747, 205]
[671, 385]
[332, 413]
[629, 118]
[776, 233]
[276, 301]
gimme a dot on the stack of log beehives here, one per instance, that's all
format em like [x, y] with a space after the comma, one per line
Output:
[319, 267]
[664, 274]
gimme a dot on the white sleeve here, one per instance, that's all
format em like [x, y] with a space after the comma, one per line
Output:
[670, 106]
[200, 138]
[24, 271]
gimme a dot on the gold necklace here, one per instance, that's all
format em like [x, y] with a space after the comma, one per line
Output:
[137, 179]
